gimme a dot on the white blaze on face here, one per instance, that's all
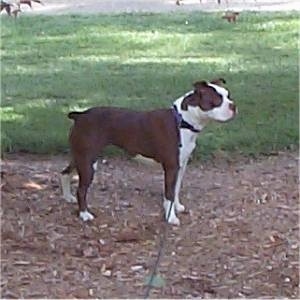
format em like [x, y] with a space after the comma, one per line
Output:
[223, 112]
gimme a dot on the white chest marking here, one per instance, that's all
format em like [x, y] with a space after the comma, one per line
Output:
[188, 144]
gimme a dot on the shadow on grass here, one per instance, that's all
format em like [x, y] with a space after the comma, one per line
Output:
[265, 121]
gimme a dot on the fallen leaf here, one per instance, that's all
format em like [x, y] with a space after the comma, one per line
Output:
[127, 236]
[32, 185]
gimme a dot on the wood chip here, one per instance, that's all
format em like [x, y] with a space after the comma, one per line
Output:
[22, 263]
[127, 235]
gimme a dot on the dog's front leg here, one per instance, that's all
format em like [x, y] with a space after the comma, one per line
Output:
[171, 173]
[178, 206]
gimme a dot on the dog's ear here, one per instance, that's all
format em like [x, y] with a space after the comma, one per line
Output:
[199, 86]
[219, 81]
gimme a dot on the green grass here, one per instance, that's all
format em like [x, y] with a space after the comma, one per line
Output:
[54, 64]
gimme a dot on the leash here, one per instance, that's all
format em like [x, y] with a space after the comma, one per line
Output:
[180, 123]
[159, 254]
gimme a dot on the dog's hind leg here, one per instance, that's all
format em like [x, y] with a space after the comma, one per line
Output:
[85, 168]
[65, 179]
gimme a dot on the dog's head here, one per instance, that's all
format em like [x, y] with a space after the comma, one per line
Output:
[210, 100]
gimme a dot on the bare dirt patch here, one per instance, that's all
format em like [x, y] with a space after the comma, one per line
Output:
[238, 239]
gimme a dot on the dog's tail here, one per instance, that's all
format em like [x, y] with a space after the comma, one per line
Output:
[75, 114]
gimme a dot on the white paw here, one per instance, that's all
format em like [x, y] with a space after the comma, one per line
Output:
[174, 220]
[95, 166]
[86, 216]
[179, 207]
[170, 213]
[70, 198]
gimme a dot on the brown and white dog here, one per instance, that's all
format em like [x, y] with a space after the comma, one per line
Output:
[166, 135]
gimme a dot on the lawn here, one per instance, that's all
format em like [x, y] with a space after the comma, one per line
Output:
[54, 64]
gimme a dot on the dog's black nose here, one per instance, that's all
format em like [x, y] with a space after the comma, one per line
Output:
[232, 107]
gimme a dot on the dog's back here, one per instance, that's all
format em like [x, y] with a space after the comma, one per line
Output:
[137, 132]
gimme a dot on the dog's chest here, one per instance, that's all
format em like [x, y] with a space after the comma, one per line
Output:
[188, 144]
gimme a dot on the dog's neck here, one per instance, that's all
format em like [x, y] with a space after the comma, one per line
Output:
[191, 115]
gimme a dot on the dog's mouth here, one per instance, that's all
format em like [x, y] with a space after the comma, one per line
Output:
[234, 113]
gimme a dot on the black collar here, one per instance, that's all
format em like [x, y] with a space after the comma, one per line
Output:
[182, 123]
